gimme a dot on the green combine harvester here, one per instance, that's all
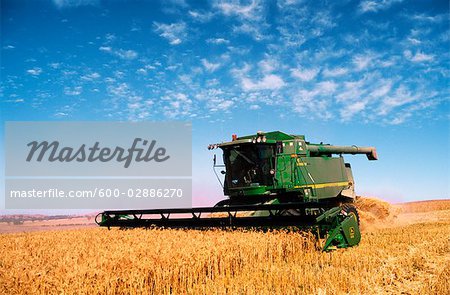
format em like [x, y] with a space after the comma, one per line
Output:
[272, 180]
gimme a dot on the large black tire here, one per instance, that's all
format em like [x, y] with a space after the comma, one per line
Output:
[350, 209]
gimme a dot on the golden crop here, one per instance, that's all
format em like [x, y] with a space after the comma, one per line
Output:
[425, 206]
[410, 259]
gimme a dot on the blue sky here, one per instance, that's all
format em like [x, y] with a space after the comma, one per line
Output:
[344, 72]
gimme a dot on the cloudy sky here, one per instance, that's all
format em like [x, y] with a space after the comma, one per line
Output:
[345, 72]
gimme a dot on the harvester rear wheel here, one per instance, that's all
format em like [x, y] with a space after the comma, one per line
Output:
[350, 209]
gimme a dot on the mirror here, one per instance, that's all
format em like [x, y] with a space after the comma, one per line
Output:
[279, 147]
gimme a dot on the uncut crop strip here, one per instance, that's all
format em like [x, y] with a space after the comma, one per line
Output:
[95, 261]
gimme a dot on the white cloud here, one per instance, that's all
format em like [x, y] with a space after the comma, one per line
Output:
[69, 73]
[335, 72]
[17, 100]
[225, 105]
[121, 53]
[252, 29]
[91, 77]
[291, 37]
[321, 89]
[430, 18]
[327, 53]
[283, 3]
[105, 48]
[137, 108]
[268, 82]
[135, 27]
[420, 32]
[217, 41]
[250, 15]
[352, 109]
[353, 90]
[110, 37]
[311, 103]
[178, 105]
[326, 87]
[34, 71]
[303, 22]
[110, 80]
[175, 33]
[389, 62]
[74, 3]
[119, 74]
[362, 62]
[121, 90]
[187, 79]
[316, 101]
[376, 5]
[55, 65]
[234, 8]
[268, 65]
[126, 54]
[141, 71]
[400, 97]
[73, 91]
[408, 54]
[254, 107]
[126, 102]
[60, 114]
[172, 67]
[382, 89]
[399, 118]
[209, 66]
[202, 17]
[305, 74]
[8, 47]
[322, 21]
[418, 57]
[215, 99]
[134, 105]
[414, 41]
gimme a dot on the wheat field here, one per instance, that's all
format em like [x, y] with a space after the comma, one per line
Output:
[394, 257]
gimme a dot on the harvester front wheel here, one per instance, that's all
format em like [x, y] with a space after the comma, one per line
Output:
[343, 227]
[351, 210]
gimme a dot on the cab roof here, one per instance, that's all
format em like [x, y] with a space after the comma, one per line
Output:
[274, 135]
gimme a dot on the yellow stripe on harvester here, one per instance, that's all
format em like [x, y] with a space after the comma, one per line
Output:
[322, 185]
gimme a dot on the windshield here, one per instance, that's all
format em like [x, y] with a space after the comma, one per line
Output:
[249, 165]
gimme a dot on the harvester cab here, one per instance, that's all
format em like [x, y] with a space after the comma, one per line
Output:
[272, 180]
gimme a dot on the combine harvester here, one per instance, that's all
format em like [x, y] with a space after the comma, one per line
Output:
[272, 180]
